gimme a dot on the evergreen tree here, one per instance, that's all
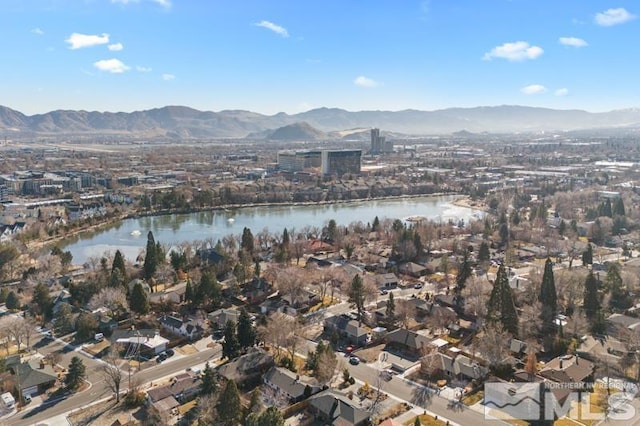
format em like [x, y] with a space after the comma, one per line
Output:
[76, 373]
[189, 294]
[562, 228]
[620, 298]
[255, 406]
[12, 301]
[229, 406]
[501, 307]
[139, 300]
[591, 298]
[246, 330]
[151, 257]
[618, 208]
[43, 301]
[549, 300]
[484, 255]
[119, 265]
[376, 224]
[247, 241]
[230, 345]
[464, 272]
[587, 255]
[209, 291]
[390, 312]
[271, 417]
[3, 294]
[417, 421]
[357, 296]
[209, 384]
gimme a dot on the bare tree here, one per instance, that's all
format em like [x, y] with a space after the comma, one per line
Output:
[281, 331]
[405, 311]
[206, 410]
[530, 322]
[111, 373]
[114, 299]
[326, 366]
[493, 344]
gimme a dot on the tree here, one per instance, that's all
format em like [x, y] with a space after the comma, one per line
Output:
[139, 299]
[618, 208]
[246, 330]
[43, 301]
[189, 295]
[63, 319]
[3, 294]
[76, 373]
[406, 311]
[230, 345]
[151, 257]
[417, 421]
[114, 299]
[12, 302]
[619, 296]
[229, 407]
[591, 299]
[326, 362]
[111, 373]
[247, 241]
[357, 295]
[8, 253]
[209, 291]
[86, 326]
[209, 385]
[484, 255]
[493, 345]
[501, 307]
[549, 300]
[587, 256]
[390, 312]
[464, 272]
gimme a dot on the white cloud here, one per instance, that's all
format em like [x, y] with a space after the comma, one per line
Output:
[533, 89]
[273, 27]
[116, 47]
[363, 81]
[163, 3]
[78, 41]
[517, 51]
[562, 92]
[573, 41]
[114, 66]
[143, 69]
[37, 31]
[168, 77]
[612, 17]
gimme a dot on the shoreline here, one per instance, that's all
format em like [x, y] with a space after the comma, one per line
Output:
[462, 201]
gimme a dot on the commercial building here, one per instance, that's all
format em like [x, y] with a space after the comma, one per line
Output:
[340, 162]
[379, 144]
[296, 161]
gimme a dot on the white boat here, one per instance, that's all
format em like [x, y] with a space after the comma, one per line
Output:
[231, 220]
[136, 233]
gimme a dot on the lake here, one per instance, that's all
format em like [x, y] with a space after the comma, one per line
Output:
[130, 235]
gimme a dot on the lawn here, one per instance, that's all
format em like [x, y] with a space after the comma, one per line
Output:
[473, 398]
[425, 420]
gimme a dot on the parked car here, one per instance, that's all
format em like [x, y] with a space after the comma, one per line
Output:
[384, 291]
[170, 352]
[417, 286]
[161, 357]
[354, 360]
[386, 375]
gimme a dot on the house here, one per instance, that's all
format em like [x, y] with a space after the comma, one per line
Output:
[620, 324]
[302, 301]
[33, 378]
[287, 383]
[387, 281]
[407, 341]
[190, 329]
[218, 319]
[568, 369]
[182, 388]
[348, 328]
[247, 369]
[140, 342]
[62, 297]
[459, 367]
[256, 291]
[333, 408]
[413, 269]
[173, 294]
[602, 348]
[210, 256]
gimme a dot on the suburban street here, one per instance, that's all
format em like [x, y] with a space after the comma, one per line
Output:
[98, 389]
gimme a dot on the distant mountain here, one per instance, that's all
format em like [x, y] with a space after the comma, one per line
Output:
[301, 131]
[185, 122]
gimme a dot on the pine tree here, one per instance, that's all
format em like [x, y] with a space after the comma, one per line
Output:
[587, 256]
[247, 241]
[43, 301]
[591, 300]
[229, 406]
[501, 307]
[246, 330]
[464, 272]
[119, 265]
[356, 295]
[417, 421]
[376, 224]
[620, 299]
[230, 345]
[548, 299]
[189, 294]
[618, 208]
[76, 373]
[151, 257]
[390, 312]
[139, 299]
[12, 301]
[209, 384]
[484, 255]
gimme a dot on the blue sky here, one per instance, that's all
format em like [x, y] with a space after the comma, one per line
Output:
[269, 56]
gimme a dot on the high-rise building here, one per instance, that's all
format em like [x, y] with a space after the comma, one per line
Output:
[376, 141]
[340, 162]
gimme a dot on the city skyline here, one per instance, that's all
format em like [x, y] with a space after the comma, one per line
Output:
[286, 56]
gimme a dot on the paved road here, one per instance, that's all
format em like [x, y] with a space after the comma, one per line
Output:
[99, 389]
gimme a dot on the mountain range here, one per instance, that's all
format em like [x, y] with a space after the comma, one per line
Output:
[184, 122]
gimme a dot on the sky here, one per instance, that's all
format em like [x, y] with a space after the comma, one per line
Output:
[271, 56]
